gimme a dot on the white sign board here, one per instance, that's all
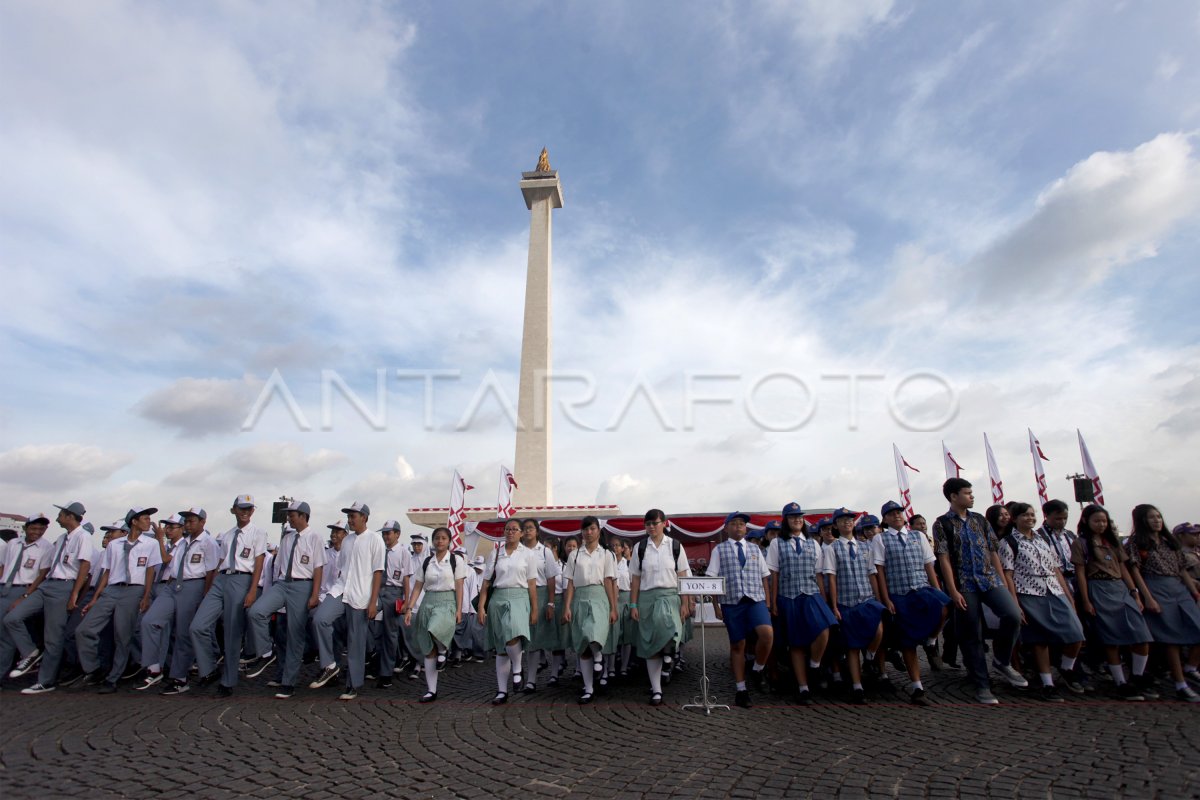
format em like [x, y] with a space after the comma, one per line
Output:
[701, 586]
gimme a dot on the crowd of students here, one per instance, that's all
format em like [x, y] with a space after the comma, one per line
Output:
[164, 605]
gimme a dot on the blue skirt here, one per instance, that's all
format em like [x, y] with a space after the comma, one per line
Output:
[1049, 619]
[1179, 620]
[805, 617]
[860, 623]
[1117, 621]
[919, 614]
[744, 617]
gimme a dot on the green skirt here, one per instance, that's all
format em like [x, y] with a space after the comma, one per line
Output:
[543, 635]
[659, 627]
[589, 618]
[435, 623]
[627, 628]
[507, 617]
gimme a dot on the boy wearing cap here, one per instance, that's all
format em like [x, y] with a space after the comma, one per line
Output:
[56, 596]
[396, 573]
[193, 568]
[157, 623]
[744, 607]
[468, 637]
[25, 563]
[329, 621]
[130, 564]
[364, 576]
[243, 549]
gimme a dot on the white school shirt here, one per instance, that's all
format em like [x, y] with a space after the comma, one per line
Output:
[397, 564]
[144, 555]
[590, 568]
[201, 557]
[265, 578]
[310, 554]
[343, 558]
[32, 557]
[660, 570]
[251, 543]
[547, 565]
[624, 580]
[438, 576]
[365, 560]
[908, 536]
[70, 549]
[470, 590]
[510, 571]
[330, 576]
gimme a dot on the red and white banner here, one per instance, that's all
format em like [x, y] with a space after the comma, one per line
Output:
[993, 473]
[504, 506]
[902, 481]
[1089, 469]
[953, 468]
[458, 515]
[1039, 474]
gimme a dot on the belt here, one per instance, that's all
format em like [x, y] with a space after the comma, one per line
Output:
[295, 580]
[190, 580]
[234, 572]
[71, 580]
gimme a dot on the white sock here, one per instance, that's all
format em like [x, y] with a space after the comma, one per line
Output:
[155, 668]
[856, 685]
[915, 685]
[1046, 679]
[759, 667]
[503, 673]
[1180, 685]
[1139, 663]
[741, 686]
[654, 668]
[803, 687]
[1068, 664]
[1118, 673]
[431, 674]
[814, 664]
[610, 661]
[587, 675]
[514, 656]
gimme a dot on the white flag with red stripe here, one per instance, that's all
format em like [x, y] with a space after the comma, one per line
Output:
[504, 506]
[1039, 474]
[993, 473]
[457, 519]
[953, 468]
[902, 481]
[1089, 469]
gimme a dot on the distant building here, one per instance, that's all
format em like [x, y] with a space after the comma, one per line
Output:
[10, 525]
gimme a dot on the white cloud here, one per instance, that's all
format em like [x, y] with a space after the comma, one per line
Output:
[282, 461]
[59, 466]
[200, 406]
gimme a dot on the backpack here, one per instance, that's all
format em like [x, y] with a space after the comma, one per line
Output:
[425, 565]
[675, 548]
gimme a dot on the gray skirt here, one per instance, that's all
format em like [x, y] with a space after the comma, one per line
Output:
[1049, 619]
[1117, 620]
[1179, 620]
[507, 618]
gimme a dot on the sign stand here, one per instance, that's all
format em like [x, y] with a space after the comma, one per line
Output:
[705, 589]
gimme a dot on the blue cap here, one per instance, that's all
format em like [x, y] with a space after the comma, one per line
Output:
[743, 516]
[824, 522]
[755, 533]
[792, 510]
[842, 512]
[773, 525]
[868, 521]
[889, 507]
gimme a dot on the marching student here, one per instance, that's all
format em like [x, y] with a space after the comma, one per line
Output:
[507, 604]
[438, 589]
[409, 652]
[394, 596]
[243, 549]
[967, 551]
[543, 634]
[1159, 568]
[849, 568]
[563, 548]
[24, 562]
[296, 573]
[468, 636]
[624, 633]
[1189, 539]
[1109, 600]
[796, 562]
[329, 625]
[908, 587]
[129, 566]
[591, 576]
[1031, 567]
[56, 597]
[364, 576]
[743, 608]
[194, 568]
[157, 624]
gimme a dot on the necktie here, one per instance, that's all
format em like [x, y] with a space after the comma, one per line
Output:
[292, 556]
[233, 548]
[187, 545]
[853, 552]
[128, 572]
[741, 555]
[12, 573]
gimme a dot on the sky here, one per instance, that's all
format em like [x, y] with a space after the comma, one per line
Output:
[795, 233]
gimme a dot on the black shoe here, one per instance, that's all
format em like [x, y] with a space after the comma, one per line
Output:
[500, 699]
[349, 693]
[108, 688]
[209, 679]
[742, 698]
[918, 698]
[428, 697]
[803, 697]
[92, 679]
[327, 674]
[585, 698]
[756, 679]
[175, 687]
[1050, 694]
[259, 665]
[858, 697]
[1127, 691]
[224, 691]
[1146, 686]
[284, 692]
[383, 683]
[656, 698]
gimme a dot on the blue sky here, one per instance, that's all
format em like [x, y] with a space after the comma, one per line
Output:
[197, 195]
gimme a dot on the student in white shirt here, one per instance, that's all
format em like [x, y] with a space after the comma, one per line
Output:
[438, 590]
[329, 620]
[364, 576]
[395, 590]
[25, 562]
[543, 636]
[194, 568]
[591, 576]
[658, 563]
[507, 607]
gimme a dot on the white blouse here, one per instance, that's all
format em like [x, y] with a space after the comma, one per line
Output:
[510, 571]
[660, 570]
[586, 568]
[624, 579]
[438, 576]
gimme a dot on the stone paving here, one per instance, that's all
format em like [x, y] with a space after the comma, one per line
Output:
[79, 744]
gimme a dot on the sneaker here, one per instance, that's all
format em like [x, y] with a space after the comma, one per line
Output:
[1050, 694]
[985, 697]
[1192, 676]
[327, 674]
[1146, 685]
[415, 674]
[756, 679]
[383, 683]
[224, 691]
[1187, 694]
[918, 698]
[27, 663]
[209, 679]
[1070, 679]
[108, 688]
[259, 665]
[858, 697]
[1014, 678]
[274, 684]
[175, 687]
[1127, 691]
[37, 688]
[441, 662]
[132, 671]
[284, 692]
[742, 698]
[92, 679]
[152, 679]
[803, 697]
[348, 694]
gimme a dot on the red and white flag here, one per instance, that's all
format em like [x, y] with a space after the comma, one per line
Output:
[902, 481]
[993, 473]
[953, 468]
[456, 522]
[1039, 474]
[1089, 469]
[504, 506]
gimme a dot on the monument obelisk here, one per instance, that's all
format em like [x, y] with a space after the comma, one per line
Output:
[543, 194]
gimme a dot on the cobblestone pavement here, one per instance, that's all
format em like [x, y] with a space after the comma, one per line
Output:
[81, 744]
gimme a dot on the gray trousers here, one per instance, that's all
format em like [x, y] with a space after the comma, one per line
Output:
[188, 595]
[119, 604]
[468, 636]
[14, 620]
[328, 625]
[51, 600]
[8, 648]
[293, 596]
[357, 636]
[966, 626]
[392, 623]
[226, 602]
[156, 626]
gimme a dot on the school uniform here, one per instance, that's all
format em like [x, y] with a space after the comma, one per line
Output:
[129, 564]
[1118, 620]
[158, 621]
[744, 567]
[853, 563]
[803, 611]
[623, 633]
[396, 567]
[1049, 617]
[22, 561]
[588, 572]
[71, 551]
[1162, 571]
[225, 601]
[190, 564]
[290, 586]
[1062, 541]
[364, 561]
[904, 554]
[543, 635]
[329, 618]
[657, 569]
[468, 635]
[435, 622]
[508, 597]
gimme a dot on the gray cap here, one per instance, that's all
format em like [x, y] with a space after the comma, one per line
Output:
[361, 508]
[89, 527]
[119, 525]
[174, 519]
[243, 501]
[75, 507]
[418, 537]
[300, 507]
[390, 525]
[37, 516]
[136, 512]
[337, 526]
[195, 512]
